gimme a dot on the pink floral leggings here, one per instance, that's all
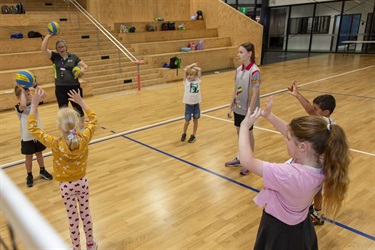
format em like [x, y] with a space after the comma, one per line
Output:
[71, 192]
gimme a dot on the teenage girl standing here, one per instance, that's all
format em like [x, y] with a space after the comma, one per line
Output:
[245, 94]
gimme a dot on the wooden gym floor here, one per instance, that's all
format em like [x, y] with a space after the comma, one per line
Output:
[149, 190]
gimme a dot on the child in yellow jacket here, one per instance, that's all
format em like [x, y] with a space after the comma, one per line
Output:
[70, 153]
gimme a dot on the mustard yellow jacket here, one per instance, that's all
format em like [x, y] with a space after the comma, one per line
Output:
[67, 165]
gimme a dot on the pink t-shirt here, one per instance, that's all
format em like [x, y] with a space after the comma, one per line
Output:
[288, 191]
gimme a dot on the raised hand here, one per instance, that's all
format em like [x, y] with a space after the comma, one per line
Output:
[75, 96]
[267, 108]
[38, 97]
[293, 90]
[249, 119]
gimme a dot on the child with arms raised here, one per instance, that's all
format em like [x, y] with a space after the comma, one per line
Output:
[29, 146]
[323, 106]
[70, 153]
[290, 187]
[192, 98]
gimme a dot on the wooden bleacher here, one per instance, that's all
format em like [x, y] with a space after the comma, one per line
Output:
[109, 70]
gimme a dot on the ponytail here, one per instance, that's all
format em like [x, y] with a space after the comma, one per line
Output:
[335, 168]
[72, 139]
[329, 141]
[68, 122]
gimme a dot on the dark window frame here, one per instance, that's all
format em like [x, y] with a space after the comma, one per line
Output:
[308, 25]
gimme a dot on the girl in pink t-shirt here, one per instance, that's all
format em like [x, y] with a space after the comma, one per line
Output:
[290, 187]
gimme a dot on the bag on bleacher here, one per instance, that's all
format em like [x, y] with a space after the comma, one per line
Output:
[164, 26]
[5, 9]
[12, 10]
[149, 27]
[18, 35]
[171, 26]
[34, 34]
[174, 62]
[185, 49]
[20, 8]
[192, 45]
[131, 29]
[200, 45]
[124, 28]
[199, 15]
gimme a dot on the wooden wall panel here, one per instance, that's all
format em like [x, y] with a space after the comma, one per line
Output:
[216, 13]
[138, 10]
[230, 22]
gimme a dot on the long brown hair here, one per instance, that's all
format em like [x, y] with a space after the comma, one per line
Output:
[250, 48]
[328, 141]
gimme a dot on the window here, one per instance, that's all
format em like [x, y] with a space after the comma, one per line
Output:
[304, 25]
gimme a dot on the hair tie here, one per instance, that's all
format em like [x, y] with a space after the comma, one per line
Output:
[329, 127]
[71, 134]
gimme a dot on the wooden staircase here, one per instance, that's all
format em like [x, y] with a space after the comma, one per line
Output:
[109, 70]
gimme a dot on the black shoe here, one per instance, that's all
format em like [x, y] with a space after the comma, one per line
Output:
[183, 137]
[44, 174]
[191, 139]
[29, 181]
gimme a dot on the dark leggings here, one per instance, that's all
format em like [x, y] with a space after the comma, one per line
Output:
[61, 93]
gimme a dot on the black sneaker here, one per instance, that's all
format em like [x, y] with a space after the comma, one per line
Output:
[183, 137]
[29, 181]
[44, 174]
[191, 139]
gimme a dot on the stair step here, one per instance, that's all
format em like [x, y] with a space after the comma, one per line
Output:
[157, 36]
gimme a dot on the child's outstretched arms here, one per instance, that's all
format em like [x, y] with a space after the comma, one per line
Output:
[309, 108]
[38, 97]
[277, 122]
[247, 157]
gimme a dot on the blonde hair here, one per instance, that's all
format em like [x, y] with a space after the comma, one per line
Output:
[192, 71]
[329, 141]
[68, 122]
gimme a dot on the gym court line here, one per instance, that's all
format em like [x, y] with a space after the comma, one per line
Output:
[125, 133]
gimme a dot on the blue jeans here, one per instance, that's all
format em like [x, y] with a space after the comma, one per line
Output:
[192, 110]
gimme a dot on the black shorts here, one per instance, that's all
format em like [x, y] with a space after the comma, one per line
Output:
[238, 119]
[31, 147]
[61, 93]
[275, 234]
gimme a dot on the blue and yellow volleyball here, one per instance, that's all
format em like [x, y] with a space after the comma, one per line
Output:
[76, 70]
[53, 28]
[25, 79]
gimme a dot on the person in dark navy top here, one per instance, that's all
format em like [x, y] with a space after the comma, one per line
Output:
[63, 63]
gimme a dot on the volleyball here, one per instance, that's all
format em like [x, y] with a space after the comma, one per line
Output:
[76, 70]
[53, 28]
[25, 79]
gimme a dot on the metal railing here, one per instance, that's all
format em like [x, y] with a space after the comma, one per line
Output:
[121, 48]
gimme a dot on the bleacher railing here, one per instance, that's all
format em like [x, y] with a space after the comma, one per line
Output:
[107, 34]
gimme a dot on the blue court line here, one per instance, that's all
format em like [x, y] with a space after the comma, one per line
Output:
[242, 185]
[201, 168]
[191, 164]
